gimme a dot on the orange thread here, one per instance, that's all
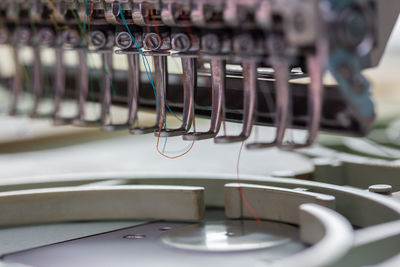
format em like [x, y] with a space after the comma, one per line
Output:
[161, 122]
[52, 17]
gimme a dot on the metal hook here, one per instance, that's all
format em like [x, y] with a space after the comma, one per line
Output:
[107, 76]
[37, 81]
[190, 81]
[160, 77]
[315, 91]
[69, 39]
[59, 86]
[132, 93]
[281, 69]
[218, 73]
[21, 37]
[83, 91]
[133, 87]
[125, 42]
[17, 82]
[45, 37]
[249, 103]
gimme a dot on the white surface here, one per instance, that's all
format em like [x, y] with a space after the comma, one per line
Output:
[134, 202]
[25, 237]
[270, 203]
[139, 154]
[331, 247]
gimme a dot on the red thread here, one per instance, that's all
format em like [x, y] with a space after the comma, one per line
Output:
[247, 204]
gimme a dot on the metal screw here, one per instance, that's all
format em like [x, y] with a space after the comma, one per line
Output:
[22, 36]
[181, 42]
[276, 44]
[244, 43]
[123, 40]
[46, 37]
[135, 236]
[383, 189]
[71, 38]
[211, 43]
[98, 39]
[152, 41]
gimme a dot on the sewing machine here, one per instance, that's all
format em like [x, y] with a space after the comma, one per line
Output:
[199, 132]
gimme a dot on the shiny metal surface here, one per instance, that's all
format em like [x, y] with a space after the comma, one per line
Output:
[148, 250]
[231, 236]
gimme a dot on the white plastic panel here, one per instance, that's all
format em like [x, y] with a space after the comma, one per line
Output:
[331, 245]
[270, 203]
[101, 203]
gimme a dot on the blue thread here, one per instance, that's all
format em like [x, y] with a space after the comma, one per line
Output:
[144, 59]
[146, 65]
[86, 16]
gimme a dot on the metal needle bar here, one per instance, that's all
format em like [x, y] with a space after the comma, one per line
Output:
[281, 68]
[59, 84]
[315, 91]
[107, 76]
[249, 102]
[133, 87]
[132, 93]
[59, 90]
[83, 91]
[160, 76]
[37, 81]
[189, 80]
[17, 82]
[218, 72]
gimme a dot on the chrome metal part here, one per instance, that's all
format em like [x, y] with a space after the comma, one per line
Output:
[218, 87]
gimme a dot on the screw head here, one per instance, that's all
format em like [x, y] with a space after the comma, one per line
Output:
[22, 36]
[46, 37]
[135, 236]
[98, 39]
[211, 43]
[152, 41]
[123, 40]
[72, 38]
[181, 42]
[244, 43]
